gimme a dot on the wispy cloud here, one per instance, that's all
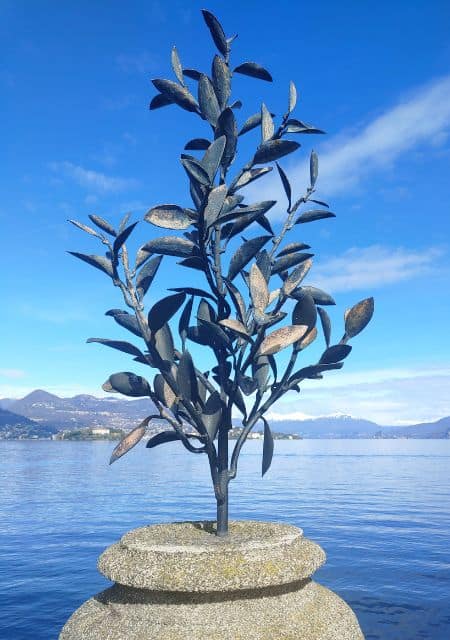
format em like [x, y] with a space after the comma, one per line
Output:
[374, 266]
[91, 179]
[142, 62]
[12, 373]
[422, 119]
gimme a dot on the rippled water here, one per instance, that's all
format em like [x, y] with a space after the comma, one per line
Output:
[380, 509]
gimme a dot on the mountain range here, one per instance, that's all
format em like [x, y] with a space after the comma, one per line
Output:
[41, 414]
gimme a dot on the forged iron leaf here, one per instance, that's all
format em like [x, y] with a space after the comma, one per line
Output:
[100, 262]
[169, 216]
[125, 320]
[197, 144]
[216, 31]
[281, 338]
[215, 203]
[207, 100]
[205, 312]
[200, 335]
[267, 448]
[336, 353]
[305, 312]
[122, 238]
[237, 299]
[85, 228]
[259, 291]
[286, 184]
[249, 176]
[237, 104]
[273, 150]
[186, 378]
[185, 318]
[146, 275]
[296, 277]
[170, 246]
[246, 384]
[313, 168]
[160, 100]
[306, 340]
[326, 325]
[162, 438]
[313, 370]
[264, 262]
[192, 73]
[236, 326]
[163, 342]
[195, 171]
[260, 372]
[212, 414]
[213, 156]
[227, 369]
[197, 192]
[193, 291]
[273, 295]
[293, 128]
[358, 317]
[193, 263]
[231, 202]
[129, 441]
[254, 210]
[292, 96]
[292, 247]
[103, 224]
[244, 254]
[319, 296]
[164, 392]
[251, 123]
[253, 70]
[290, 260]
[176, 65]
[226, 126]
[126, 347]
[245, 220]
[124, 222]
[216, 333]
[163, 310]
[221, 80]
[267, 126]
[176, 93]
[321, 202]
[317, 214]
[129, 384]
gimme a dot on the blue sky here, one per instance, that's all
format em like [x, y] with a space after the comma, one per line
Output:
[78, 138]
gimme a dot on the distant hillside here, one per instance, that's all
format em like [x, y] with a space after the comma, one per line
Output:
[15, 426]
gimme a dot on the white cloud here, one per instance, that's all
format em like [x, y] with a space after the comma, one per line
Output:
[374, 266]
[12, 373]
[91, 179]
[421, 119]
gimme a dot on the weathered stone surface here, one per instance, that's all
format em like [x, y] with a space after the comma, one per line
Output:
[262, 592]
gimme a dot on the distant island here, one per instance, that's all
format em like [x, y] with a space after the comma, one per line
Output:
[42, 415]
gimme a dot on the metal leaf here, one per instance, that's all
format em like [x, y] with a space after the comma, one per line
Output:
[195, 171]
[305, 312]
[259, 291]
[237, 104]
[292, 247]
[260, 372]
[176, 93]
[164, 309]
[169, 216]
[249, 176]
[195, 262]
[214, 206]
[193, 291]
[129, 384]
[212, 414]
[123, 237]
[313, 167]
[197, 144]
[238, 300]
[213, 157]
[164, 392]
[207, 100]
[103, 224]
[216, 31]
[273, 150]
[244, 254]
[236, 326]
[125, 320]
[100, 262]
[336, 353]
[267, 125]
[186, 378]
[205, 312]
[281, 338]
[358, 317]
[313, 370]
[216, 335]
[226, 126]
[170, 246]
[251, 123]
[129, 441]
[185, 318]
[286, 184]
[254, 210]
[316, 214]
[221, 80]
[264, 262]
[176, 65]
[326, 325]
[296, 277]
[253, 70]
[160, 100]
[85, 228]
[231, 203]
[192, 73]
[162, 438]
[319, 296]
[306, 340]
[290, 260]
[267, 447]
[163, 342]
[292, 96]
[146, 275]
[120, 345]
[246, 384]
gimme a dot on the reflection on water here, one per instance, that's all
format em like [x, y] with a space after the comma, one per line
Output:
[379, 508]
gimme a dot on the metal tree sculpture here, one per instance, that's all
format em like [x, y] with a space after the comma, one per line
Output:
[234, 321]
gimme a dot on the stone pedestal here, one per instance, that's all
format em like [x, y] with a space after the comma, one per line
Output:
[179, 581]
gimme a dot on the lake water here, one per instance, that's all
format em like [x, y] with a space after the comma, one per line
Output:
[379, 508]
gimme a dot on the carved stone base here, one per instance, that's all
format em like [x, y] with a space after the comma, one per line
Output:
[179, 581]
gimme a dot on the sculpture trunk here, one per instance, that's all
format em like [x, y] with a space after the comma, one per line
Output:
[222, 502]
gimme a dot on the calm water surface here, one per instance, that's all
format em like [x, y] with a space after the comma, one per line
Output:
[380, 509]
